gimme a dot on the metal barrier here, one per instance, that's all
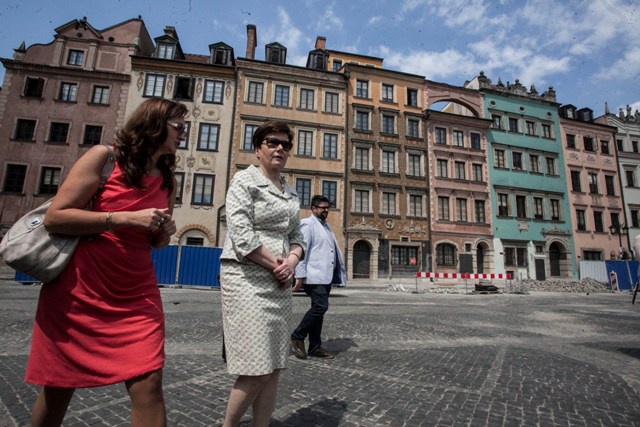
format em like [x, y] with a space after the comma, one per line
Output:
[465, 276]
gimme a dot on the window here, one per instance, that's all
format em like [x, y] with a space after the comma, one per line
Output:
[592, 255]
[331, 102]
[442, 170]
[458, 138]
[14, 178]
[555, 209]
[534, 163]
[443, 208]
[194, 241]
[92, 135]
[330, 146]
[303, 188]
[516, 160]
[100, 95]
[513, 124]
[68, 92]
[515, 257]
[604, 147]
[317, 60]
[281, 96]
[209, 136]
[620, 145]
[388, 123]
[33, 87]
[546, 131]
[597, 221]
[362, 158]
[521, 206]
[580, 219]
[615, 219]
[477, 172]
[202, 190]
[305, 143]
[551, 166]
[184, 142]
[441, 135]
[635, 218]
[221, 54]
[362, 89]
[475, 141]
[213, 90]
[461, 210]
[497, 121]
[362, 120]
[445, 254]
[25, 130]
[503, 205]
[180, 185]
[361, 201]
[413, 128]
[575, 181]
[414, 162]
[531, 128]
[49, 180]
[588, 144]
[387, 92]
[154, 86]
[480, 213]
[75, 57]
[634, 146]
[500, 160]
[415, 205]
[184, 88]
[631, 178]
[389, 203]
[337, 64]
[58, 132]
[459, 168]
[593, 183]
[571, 141]
[412, 97]
[254, 94]
[248, 134]
[609, 184]
[307, 99]
[388, 161]
[403, 255]
[275, 53]
[330, 191]
[538, 208]
[165, 51]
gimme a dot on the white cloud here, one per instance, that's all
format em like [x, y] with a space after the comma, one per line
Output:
[329, 20]
[625, 68]
[432, 65]
[374, 20]
[286, 33]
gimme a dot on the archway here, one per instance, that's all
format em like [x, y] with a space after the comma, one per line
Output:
[361, 260]
[555, 255]
[480, 253]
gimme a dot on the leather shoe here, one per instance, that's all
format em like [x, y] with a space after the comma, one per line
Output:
[322, 354]
[298, 348]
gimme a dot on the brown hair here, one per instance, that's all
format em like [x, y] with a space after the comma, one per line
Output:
[270, 127]
[142, 134]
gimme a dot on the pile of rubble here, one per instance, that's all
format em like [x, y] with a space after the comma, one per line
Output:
[550, 285]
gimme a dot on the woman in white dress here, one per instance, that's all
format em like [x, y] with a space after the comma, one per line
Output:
[263, 246]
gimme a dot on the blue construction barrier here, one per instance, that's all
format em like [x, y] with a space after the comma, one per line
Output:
[165, 264]
[626, 272]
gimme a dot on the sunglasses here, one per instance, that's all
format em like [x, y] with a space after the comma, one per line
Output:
[274, 142]
[178, 126]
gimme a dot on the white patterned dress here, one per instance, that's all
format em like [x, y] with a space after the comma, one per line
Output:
[256, 311]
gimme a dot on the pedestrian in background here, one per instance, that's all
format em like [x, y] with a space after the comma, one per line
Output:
[321, 268]
[101, 321]
[261, 250]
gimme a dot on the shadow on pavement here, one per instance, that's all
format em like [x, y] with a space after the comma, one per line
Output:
[326, 412]
[339, 345]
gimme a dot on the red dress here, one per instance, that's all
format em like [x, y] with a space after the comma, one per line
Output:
[101, 322]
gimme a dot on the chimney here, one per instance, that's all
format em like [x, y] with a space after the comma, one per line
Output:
[321, 42]
[252, 41]
[171, 32]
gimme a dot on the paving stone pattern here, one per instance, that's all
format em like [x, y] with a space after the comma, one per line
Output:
[403, 359]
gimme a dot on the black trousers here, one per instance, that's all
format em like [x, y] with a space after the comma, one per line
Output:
[311, 324]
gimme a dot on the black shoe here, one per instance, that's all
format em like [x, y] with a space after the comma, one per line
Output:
[298, 348]
[322, 354]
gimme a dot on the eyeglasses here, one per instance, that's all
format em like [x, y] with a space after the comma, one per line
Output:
[322, 208]
[179, 127]
[274, 142]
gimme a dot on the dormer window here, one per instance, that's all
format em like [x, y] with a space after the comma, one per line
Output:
[221, 54]
[317, 60]
[276, 53]
[165, 51]
[586, 115]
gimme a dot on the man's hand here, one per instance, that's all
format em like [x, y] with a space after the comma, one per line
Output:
[297, 285]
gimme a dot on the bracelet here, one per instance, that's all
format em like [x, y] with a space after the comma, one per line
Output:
[108, 224]
[296, 255]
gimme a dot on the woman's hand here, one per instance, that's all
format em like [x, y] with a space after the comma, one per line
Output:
[284, 271]
[151, 219]
[162, 237]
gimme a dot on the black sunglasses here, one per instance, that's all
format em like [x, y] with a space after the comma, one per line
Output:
[274, 142]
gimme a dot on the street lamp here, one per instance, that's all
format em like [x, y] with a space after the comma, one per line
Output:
[619, 229]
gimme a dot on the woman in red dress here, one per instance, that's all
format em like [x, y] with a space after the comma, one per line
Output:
[101, 321]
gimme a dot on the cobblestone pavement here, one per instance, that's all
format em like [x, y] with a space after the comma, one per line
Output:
[403, 359]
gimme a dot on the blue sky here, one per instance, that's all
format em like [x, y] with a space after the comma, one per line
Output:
[589, 51]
